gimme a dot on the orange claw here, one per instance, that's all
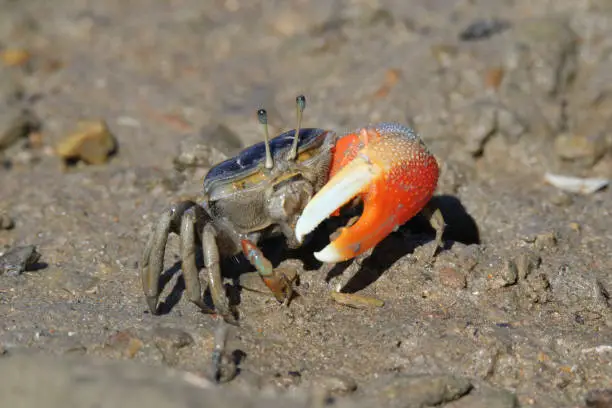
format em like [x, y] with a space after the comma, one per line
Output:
[390, 169]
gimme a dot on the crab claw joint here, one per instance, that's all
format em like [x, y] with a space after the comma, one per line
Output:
[390, 169]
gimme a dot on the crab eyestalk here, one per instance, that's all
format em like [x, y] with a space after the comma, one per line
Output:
[262, 115]
[390, 169]
[300, 105]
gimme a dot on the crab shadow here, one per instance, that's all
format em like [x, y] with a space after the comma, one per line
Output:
[460, 227]
[166, 305]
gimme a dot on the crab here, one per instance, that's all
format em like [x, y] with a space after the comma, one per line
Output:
[287, 186]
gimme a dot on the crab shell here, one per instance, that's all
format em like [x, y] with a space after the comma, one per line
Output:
[239, 188]
[386, 165]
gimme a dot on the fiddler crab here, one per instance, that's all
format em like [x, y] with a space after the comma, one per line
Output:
[288, 186]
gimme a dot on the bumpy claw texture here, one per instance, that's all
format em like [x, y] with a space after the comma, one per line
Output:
[390, 169]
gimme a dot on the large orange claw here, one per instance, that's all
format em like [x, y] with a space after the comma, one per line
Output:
[390, 169]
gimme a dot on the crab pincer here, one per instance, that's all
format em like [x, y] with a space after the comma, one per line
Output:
[391, 170]
[279, 284]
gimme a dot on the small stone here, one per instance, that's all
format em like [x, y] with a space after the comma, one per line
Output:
[599, 398]
[18, 260]
[561, 198]
[526, 263]
[392, 76]
[425, 390]
[477, 124]
[6, 222]
[72, 281]
[584, 148]
[452, 278]
[124, 343]
[541, 57]
[509, 273]
[92, 142]
[284, 380]
[537, 288]
[14, 57]
[444, 53]
[291, 20]
[196, 155]
[506, 276]
[494, 77]
[469, 256]
[356, 301]
[509, 125]
[545, 240]
[486, 398]
[20, 124]
[334, 385]
[169, 340]
[483, 29]
[210, 146]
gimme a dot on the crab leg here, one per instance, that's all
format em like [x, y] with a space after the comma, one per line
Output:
[390, 169]
[280, 285]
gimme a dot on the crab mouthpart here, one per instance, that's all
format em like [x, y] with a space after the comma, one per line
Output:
[394, 175]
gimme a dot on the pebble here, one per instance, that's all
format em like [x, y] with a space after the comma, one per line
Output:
[483, 29]
[334, 385]
[506, 276]
[585, 149]
[599, 398]
[476, 125]
[124, 343]
[13, 57]
[561, 198]
[210, 146]
[6, 222]
[509, 273]
[169, 340]
[424, 390]
[526, 263]
[16, 125]
[72, 281]
[452, 278]
[356, 301]
[92, 142]
[542, 56]
[545, 240]
[486, 398]
[580, 289]
[17, 260]
[536, 289]
[283, 380]
[510, 125]
[194, 154]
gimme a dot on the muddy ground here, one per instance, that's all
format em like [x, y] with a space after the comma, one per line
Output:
[515, 311]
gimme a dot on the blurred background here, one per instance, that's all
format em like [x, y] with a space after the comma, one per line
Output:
[111, 110]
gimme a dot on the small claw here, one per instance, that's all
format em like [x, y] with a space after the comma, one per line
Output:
[390, 169]
[276, 281]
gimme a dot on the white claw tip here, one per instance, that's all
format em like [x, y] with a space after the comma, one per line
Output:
[329, 254]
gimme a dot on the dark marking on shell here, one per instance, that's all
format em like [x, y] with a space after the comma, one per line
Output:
[249, 160]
